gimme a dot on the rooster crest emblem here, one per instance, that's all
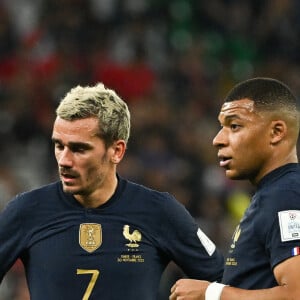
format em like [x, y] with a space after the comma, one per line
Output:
[133, 237]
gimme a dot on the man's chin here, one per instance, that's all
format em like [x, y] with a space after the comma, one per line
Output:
[233, 175]
[70, 189]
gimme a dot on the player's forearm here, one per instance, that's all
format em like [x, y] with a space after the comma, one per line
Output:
[191, 289]
[276, 293]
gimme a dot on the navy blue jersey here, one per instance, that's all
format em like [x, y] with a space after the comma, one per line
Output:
[117, 251]
[268, 233]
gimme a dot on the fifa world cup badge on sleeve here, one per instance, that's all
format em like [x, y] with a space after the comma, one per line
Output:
[289, 222]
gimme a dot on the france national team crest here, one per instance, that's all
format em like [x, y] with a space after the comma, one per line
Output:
[90, 236]
[289, 222]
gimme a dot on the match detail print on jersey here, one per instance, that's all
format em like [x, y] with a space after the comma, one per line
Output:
[289, 222]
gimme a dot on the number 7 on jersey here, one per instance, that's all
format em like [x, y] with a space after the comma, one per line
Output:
[89, 289]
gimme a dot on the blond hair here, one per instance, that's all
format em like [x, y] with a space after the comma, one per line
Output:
[102, 103]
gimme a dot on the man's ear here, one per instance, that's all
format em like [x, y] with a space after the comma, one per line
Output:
[278, 131]
[118, 150]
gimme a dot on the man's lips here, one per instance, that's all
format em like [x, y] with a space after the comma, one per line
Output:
[224, 160]
[67, 176]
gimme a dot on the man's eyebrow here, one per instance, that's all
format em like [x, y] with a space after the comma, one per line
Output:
[72, 144]
[230, 117]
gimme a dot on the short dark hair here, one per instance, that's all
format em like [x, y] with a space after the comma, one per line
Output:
[266, 93]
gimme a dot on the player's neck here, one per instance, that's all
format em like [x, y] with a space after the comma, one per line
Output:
[99, 196]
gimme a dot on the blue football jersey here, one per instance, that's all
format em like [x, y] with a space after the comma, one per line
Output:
[268, 233]
[117, 251]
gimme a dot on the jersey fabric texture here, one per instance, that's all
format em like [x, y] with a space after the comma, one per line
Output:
[117, 251]
[268, 233]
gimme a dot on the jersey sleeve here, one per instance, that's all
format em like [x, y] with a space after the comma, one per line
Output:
[188, 246]
[282, 238]
[11, 235]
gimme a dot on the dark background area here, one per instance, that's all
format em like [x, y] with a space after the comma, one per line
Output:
[171, 61]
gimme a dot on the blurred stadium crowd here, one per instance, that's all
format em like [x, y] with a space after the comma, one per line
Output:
[172, 61]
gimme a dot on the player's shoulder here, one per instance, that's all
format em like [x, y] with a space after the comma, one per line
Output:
[159, 205]
[44, 189]
[148, 195]
[288, 176]
[280, 189]
[151, 199]
[34, 196]
[28, 203]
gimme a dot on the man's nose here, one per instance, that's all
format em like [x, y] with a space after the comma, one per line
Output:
[220, 139]
[65, 158]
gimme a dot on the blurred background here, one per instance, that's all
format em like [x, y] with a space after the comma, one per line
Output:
[172, 61]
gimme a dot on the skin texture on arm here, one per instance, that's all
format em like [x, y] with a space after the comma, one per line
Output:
[286, 273]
